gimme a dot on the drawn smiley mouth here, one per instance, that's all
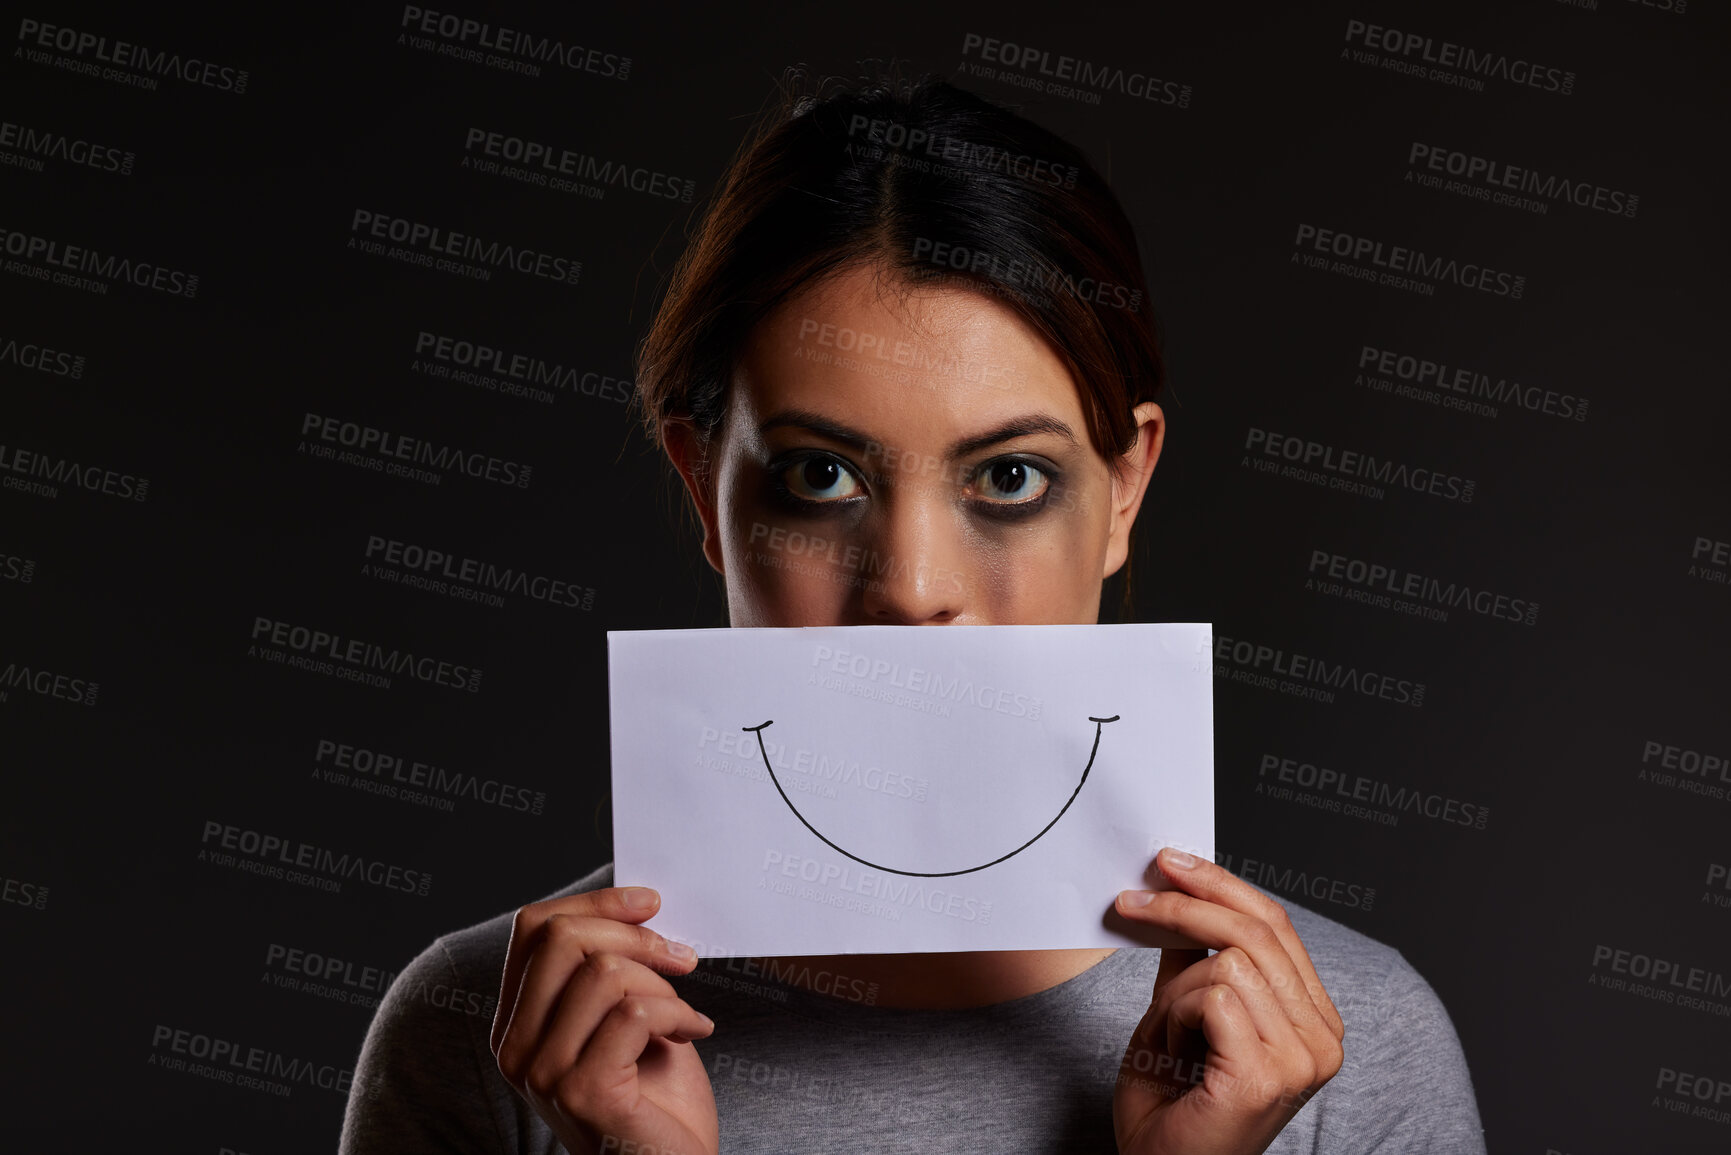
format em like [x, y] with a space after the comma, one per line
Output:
[759, 729]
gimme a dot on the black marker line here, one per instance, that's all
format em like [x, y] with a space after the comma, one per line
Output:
[758, 730]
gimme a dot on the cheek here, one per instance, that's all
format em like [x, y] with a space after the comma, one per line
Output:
[781, 571]
[1045, 570]
[1040, 571]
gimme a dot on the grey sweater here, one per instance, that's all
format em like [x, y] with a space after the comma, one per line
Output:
[795, 1070]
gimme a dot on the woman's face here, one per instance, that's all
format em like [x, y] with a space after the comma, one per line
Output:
[908, 460]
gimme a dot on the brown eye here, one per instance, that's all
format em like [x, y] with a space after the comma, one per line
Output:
[1011, 481]
[820, 479]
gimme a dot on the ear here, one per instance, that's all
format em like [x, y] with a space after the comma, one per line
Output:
[692, 459]
[1137, 466]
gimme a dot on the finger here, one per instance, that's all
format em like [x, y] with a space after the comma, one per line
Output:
[1217, 884]
[1222, 927]
[599, 984]
[1215, 1013]
[614, 1048]
[608, 902]
[1233, 968]
[1201, 973]
[566, 940]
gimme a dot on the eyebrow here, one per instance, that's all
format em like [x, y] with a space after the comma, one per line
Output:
[1024, 426]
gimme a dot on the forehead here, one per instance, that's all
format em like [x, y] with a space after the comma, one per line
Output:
[906, 363]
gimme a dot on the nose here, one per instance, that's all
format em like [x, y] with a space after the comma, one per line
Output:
[914, 563]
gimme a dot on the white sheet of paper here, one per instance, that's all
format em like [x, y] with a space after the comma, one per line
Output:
[937, 789]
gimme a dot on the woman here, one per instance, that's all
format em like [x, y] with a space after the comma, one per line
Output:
[913, 324]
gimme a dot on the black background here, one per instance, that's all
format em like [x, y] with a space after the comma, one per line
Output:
[105, 805]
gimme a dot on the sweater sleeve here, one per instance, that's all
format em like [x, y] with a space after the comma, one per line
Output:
[419, 1084]
[1416, 1088]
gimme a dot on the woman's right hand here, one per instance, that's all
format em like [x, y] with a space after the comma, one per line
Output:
[598, 1042]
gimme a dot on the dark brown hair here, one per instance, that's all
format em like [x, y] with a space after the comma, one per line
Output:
[932, 183]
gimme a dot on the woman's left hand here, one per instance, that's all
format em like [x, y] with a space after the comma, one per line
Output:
[1234, 1044]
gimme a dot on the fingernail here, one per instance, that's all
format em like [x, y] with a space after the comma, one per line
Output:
[1178, 859]
[709, 1022]
[640, 898]
[680, 950]
[1132, 899]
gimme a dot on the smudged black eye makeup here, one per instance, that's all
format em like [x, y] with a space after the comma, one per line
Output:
[817, 482]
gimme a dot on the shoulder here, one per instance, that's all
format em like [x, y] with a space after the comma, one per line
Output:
[478, 951]
[426, 1077]
[1371, 983]
[1351, 964]
[1404, 1085]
